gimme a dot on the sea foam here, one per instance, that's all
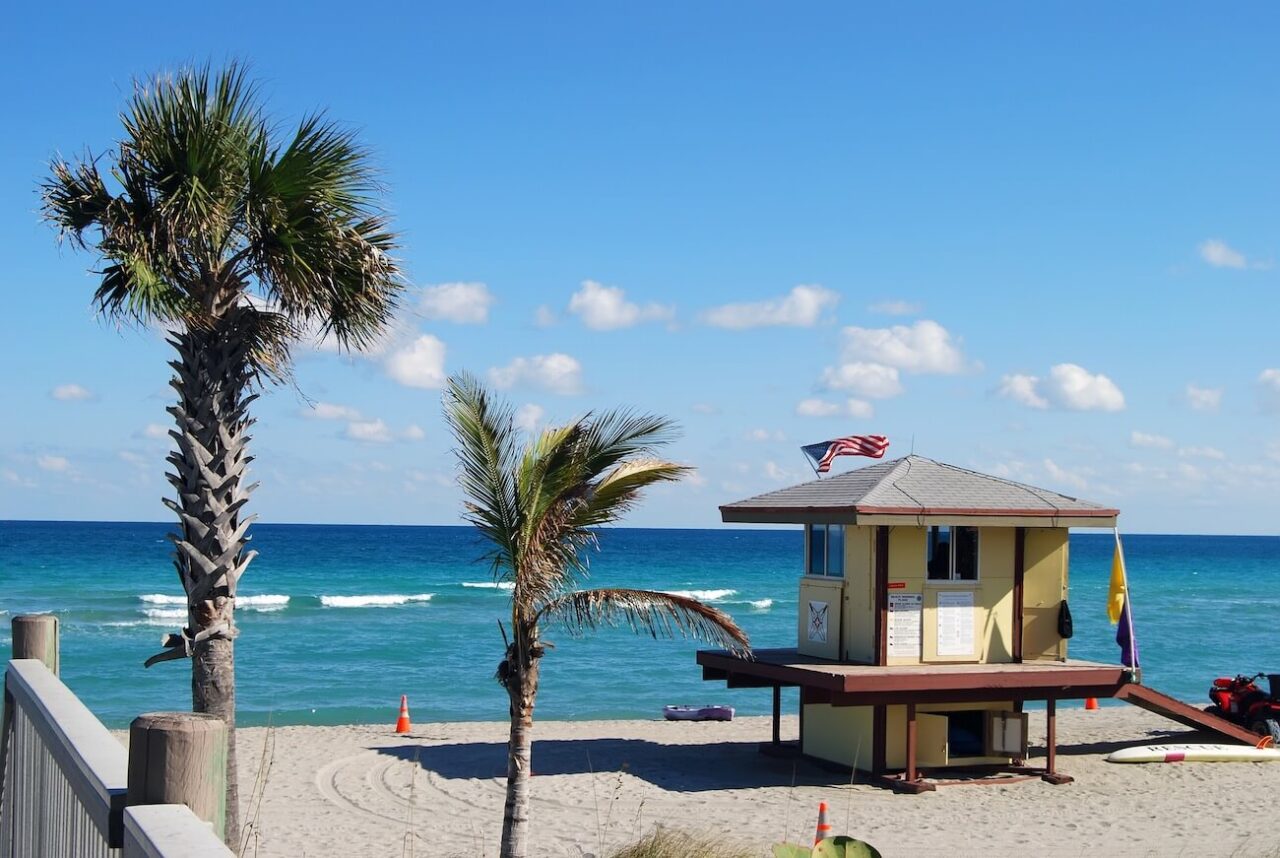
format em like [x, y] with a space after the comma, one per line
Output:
[388, 600]
[266, 602]
[161, 599]
[490, 585]
[702, 595]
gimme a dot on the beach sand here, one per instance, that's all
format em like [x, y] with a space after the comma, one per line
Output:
[363, 791]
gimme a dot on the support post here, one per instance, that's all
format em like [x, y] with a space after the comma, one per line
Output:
[879, 736]
[777, 715]
[1051, 773]
[1019, 589]
[180, 758]
[911, 741]
[36, 636]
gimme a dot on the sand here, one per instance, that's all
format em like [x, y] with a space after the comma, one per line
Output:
[363, 791]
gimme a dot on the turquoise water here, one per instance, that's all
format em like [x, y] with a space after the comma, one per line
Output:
[375, 612]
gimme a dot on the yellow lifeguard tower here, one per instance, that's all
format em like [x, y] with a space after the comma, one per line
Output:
[932, 606]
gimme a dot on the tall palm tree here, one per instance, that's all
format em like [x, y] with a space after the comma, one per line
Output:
[539, 507]
[238, 242]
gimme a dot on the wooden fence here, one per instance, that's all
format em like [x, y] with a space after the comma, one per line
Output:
[65, 780]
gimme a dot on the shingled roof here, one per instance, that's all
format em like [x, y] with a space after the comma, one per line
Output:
[914, 487]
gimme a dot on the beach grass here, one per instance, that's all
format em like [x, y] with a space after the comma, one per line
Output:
[675, 843]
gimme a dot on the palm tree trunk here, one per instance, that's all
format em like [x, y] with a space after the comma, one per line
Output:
[212, 379]
[522, 687]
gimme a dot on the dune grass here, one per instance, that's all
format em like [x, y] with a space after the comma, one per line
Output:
[673, 843]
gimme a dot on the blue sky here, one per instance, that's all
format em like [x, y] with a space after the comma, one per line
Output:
[1038, 239]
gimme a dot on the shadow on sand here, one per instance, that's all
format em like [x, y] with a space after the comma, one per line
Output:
[1172, 736]
[688, 768]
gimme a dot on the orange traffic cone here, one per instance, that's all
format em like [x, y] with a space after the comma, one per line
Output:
[824, 827]
[1091, 703]
[402, 723]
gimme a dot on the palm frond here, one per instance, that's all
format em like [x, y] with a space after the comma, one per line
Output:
[619, 434]
[485, 433]
[661, 615]
[316, 240]
[619, 490]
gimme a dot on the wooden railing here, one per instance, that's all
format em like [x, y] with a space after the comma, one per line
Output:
[65, 780]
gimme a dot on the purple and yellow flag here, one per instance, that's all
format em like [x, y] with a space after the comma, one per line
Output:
[1118, 609]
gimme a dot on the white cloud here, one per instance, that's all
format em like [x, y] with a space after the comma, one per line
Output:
[1063, 476]
[1219, 254]
[330, 411]
[802, 307]
[606, 308]
[17, 480]
[369, 431]
[822, 408]
[1203, 398]
[1269, 389]
[1151, 441]
[413, 433]
[1023, 390]
[419, 363]
[777, 473]
[1073, 387]
[873, 380]
[1202, 453]
[925, 347]
[56, 464]
[704, 408]
[544, 317]
[155, 432]
[528, 416]
[1069, 386]
[765, 435]
[557, 373]
[896, 308]
[71, 393]
[136, 459]
[463, 303]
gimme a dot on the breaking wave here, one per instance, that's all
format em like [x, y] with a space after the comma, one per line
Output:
[490, 585]
[266, 602]
[703, 595]
[389, 600]
[160, 599]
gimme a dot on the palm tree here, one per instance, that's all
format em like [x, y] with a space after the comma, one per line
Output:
[238, 243]
[539, 507]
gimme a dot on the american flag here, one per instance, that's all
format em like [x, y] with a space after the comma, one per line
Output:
[823, 452]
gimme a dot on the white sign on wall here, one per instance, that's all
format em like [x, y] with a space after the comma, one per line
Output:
[818, 622]
[904, 624]
[955, 622]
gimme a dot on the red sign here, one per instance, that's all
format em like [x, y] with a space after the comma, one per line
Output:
[897, 585]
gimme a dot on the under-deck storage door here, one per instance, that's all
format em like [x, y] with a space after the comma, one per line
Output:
[1007, 734]
[931, 740]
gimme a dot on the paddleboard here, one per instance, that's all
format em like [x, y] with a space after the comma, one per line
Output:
[1195, 753]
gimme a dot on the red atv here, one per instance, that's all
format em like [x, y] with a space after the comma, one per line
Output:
[1242, 701]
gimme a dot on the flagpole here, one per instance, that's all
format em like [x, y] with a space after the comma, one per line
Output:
[1128, 598]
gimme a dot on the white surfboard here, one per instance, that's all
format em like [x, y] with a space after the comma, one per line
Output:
[1195, 753]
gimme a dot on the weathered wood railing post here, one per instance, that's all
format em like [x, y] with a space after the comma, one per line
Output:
[180, 758]
[33, 636]
[36, 636]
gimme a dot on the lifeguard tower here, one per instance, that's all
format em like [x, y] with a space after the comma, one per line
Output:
[932, 606]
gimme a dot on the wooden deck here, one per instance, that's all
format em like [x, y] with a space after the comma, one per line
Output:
[843, 684]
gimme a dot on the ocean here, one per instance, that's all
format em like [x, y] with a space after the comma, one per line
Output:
[336, 622]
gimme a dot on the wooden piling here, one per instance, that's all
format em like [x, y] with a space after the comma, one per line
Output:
[36, 636]
[180, 758]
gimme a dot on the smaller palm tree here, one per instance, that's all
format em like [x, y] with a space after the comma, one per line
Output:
[539, 507]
